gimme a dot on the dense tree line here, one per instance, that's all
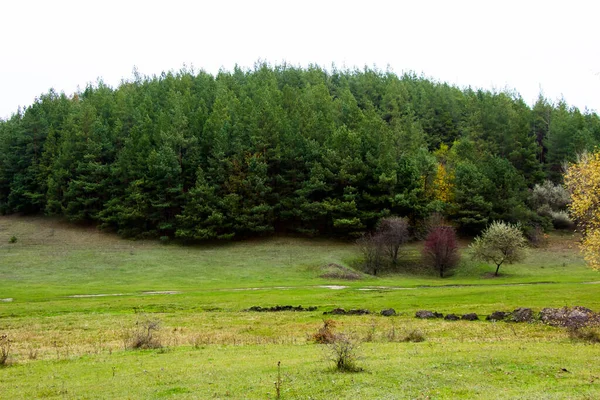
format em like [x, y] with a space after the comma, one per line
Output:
[283, 149]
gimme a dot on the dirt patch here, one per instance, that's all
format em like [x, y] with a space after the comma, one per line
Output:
[7, 300]
[336, 271]
[258, 288]
[333, 287]
[489, 275]
[81, 296]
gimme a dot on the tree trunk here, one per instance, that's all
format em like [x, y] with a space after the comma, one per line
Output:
[497, 268]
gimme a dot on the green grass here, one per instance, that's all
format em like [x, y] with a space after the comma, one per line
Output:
[70, 347]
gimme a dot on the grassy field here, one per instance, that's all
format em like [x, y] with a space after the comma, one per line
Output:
[69, 296]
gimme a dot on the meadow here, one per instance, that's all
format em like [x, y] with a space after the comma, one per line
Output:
[71, 295]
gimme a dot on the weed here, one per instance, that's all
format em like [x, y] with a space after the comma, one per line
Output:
[32, 353]
[414, 336]
[143, 335]
[370, 336]
[588, 335]
[13, 239]
[325, 333]
[278, 382]
[4, 350]
[343, 352]
[391, 335]
[199, 340]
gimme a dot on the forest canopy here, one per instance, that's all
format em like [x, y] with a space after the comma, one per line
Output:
[284, 149]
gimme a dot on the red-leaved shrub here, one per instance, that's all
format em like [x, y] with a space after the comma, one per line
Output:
[441, 249]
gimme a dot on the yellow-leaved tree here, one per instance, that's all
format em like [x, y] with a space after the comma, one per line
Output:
[583, 181]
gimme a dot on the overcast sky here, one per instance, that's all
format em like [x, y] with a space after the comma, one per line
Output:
[522, 45]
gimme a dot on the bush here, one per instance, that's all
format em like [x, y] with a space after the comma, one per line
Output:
[441, 249]
[556, 197]
[325, 333]
[143, 335]
[343, 352]
[561, 220]
[13, 239]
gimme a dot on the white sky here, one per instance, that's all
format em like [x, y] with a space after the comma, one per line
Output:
[524, 45]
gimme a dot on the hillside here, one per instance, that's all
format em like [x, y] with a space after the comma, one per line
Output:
[249, 153]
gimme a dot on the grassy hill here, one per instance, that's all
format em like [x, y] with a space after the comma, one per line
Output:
[72, 295]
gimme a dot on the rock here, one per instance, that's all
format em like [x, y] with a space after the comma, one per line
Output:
[452, 317]
[470, 317]
[388, 312]
[360, 311]
[580, 316]
[521, 315]
[425, 314]
[341, 311]
[497, 316]
[575, 317]
[280, 308]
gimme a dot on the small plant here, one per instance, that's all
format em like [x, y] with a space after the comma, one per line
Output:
[414, 336]
[165, 239]
[32, 353]
[143, 335]
[391, 335]
[4, 350]
[370, 336]
[278, 382]
[343, 352]
[325, 333]
[13, 239]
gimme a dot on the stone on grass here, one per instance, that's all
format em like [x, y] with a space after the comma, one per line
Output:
[521, 314]
[470, 317]
[425, 314]
[497, 316]
[388, 312]
[452, 317]
[575, 317]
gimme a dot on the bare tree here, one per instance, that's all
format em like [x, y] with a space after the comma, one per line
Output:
[372, 248]
[393, 233]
